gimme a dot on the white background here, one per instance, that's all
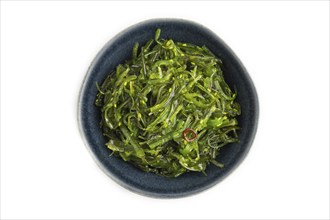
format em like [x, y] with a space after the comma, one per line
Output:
[47, 172]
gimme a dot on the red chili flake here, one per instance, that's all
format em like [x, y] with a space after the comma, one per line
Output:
[191, 131]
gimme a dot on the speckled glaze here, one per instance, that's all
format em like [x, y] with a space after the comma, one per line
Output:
[118, 50]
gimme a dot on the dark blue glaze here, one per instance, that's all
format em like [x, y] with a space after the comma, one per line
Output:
[118, 50]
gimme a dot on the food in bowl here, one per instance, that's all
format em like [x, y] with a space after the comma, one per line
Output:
[168, 110]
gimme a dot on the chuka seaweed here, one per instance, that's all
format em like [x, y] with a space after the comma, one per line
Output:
[168, 110]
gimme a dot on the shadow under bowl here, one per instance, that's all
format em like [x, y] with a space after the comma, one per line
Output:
[118, 50]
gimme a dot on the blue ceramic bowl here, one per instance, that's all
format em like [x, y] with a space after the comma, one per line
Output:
[118, 50]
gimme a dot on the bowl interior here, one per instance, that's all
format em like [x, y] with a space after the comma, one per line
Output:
[117, 51]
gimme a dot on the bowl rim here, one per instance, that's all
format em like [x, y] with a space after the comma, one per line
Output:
[82, 91]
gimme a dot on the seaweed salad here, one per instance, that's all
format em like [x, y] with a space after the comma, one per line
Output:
[168, 110]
